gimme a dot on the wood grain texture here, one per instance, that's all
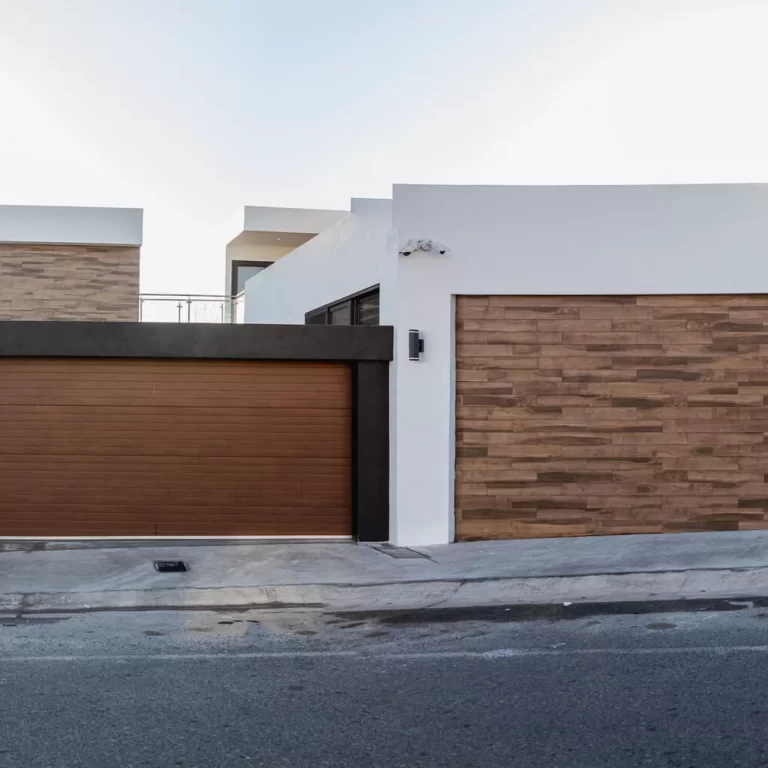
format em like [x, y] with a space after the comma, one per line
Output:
[592, 415]
[174, 448]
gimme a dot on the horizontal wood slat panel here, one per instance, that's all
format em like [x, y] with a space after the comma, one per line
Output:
[164, 432]
[128, 512]
[30, 397]
[300, 452]
[131, 468]
[199, 465]
[179, 415]
[590, 415]
[174, 448]
[224, 367]
[159, 463]
[301, 494]
[173, 382]
[180, 443]
[132, 530]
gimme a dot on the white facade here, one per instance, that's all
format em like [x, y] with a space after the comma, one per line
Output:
[506, 240]
[63, 225]
[268, 234]
[351, 255]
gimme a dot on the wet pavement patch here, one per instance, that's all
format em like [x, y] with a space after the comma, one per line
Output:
[20, 546]
[273, 606]
[552, 612]
[20, 620]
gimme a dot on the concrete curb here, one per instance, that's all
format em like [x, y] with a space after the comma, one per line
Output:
[671, 585]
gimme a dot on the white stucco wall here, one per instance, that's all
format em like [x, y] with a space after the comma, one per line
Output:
[542, 240]
[355, 253]
[65, 225]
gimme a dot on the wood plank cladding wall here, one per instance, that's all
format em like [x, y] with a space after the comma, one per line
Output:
[174, 448]
[606, 415]
[69, 282]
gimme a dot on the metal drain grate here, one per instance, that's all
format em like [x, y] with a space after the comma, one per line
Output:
[400, 552]
[170, 566]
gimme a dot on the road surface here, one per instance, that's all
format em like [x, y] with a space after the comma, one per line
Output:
[205, 688]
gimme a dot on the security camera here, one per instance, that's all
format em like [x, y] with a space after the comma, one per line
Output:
[423, 245]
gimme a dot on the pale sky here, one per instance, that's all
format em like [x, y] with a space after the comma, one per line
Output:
[191, 109]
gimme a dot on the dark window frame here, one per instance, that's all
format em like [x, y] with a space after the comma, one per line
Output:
[244, 263]
[353, 299]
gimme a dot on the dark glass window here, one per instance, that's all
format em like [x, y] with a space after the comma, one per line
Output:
[368, 309]
[362, 309]
[341, 314]
[320, 317]
[243, 271]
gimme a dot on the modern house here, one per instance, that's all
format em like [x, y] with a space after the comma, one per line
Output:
[593, 360]
[565, 361]
[59, 263]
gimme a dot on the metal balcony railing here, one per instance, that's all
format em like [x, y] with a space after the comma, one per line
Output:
[191, 308]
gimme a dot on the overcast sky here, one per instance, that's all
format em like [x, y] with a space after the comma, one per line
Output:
[193, 108]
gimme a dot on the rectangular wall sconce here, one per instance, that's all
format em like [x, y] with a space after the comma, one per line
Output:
[415, 344]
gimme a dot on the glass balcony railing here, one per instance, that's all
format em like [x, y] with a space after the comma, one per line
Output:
[191, 308]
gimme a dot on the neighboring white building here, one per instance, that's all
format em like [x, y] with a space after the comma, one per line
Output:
[692, 244]
[260, 236]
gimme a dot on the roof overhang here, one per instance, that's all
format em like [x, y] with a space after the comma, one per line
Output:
[290, 227]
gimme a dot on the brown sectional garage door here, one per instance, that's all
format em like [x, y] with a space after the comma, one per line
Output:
[174, 448]
[605, 415]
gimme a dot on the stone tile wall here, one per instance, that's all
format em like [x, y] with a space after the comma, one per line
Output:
[69, 282]
[606, 415]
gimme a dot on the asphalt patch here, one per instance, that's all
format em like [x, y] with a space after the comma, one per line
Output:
[552, 611]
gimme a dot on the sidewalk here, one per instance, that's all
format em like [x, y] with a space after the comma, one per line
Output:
[345, 576]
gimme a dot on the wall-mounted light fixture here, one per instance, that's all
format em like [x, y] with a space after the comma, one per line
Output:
[415, 344]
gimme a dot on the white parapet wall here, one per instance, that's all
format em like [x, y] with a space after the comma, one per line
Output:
[62, 225]
[355, 253]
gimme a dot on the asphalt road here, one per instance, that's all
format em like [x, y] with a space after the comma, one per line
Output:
[309, 689]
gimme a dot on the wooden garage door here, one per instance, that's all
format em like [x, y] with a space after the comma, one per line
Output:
[174, 448]
[600, 415]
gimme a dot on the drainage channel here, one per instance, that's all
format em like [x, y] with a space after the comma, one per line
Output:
[170, 566]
